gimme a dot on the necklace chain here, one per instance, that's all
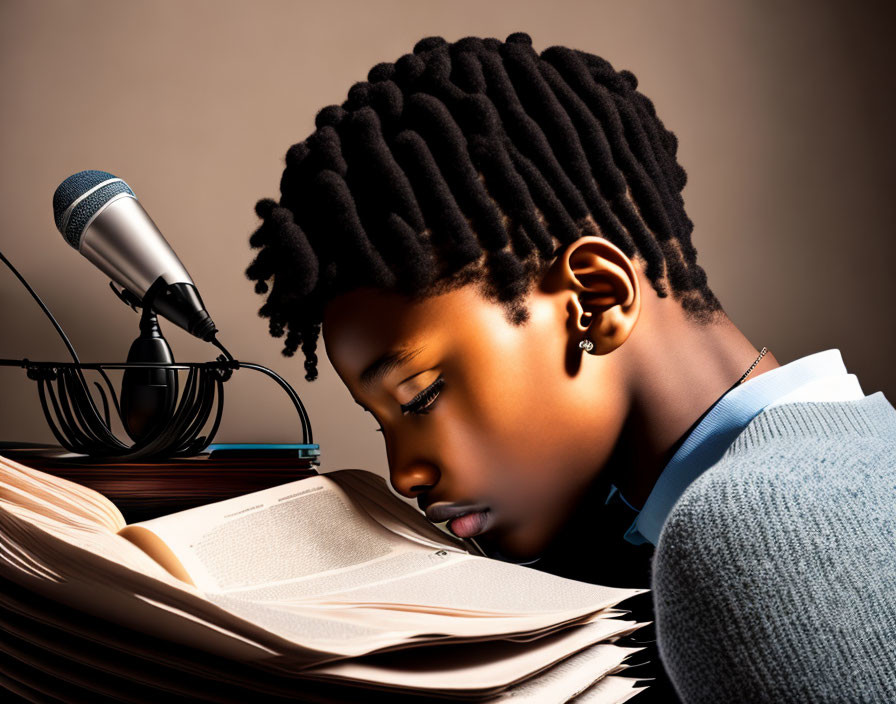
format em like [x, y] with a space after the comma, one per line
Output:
[753, 365]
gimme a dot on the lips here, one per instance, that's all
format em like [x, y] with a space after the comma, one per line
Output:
[464, 520]
[470, 524]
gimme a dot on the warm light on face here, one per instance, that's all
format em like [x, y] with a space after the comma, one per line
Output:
[474, 409]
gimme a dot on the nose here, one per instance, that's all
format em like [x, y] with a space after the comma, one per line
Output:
[414, 479]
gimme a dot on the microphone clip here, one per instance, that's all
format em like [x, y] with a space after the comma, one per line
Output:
[128, 298]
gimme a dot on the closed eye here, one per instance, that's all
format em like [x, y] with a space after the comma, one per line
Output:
[420, 404]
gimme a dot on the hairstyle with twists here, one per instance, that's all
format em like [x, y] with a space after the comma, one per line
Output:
[476, 161]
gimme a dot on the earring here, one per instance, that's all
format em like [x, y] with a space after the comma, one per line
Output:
[587, 345]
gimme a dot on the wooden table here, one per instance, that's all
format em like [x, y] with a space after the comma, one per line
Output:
[148, 489]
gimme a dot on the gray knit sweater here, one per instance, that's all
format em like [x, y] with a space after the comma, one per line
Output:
[774, 577]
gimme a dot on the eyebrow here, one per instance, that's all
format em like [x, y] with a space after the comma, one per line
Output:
[385, 363]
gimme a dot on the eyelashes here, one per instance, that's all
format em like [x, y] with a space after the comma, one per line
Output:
[420, 404]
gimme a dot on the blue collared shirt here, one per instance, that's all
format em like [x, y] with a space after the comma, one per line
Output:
[816, 377]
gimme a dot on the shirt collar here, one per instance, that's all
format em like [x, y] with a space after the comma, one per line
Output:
[718, 429]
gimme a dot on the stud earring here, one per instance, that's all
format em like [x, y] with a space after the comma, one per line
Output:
[587, 345]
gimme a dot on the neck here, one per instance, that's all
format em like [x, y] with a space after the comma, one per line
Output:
[672, 391]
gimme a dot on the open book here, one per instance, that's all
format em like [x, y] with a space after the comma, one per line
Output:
[330, 581]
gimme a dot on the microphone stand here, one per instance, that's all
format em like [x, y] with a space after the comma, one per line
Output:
[79, 427]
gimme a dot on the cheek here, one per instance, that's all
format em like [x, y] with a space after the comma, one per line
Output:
[522, 430]
[536, 438]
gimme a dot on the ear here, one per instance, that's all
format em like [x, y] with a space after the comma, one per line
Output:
[605, 295]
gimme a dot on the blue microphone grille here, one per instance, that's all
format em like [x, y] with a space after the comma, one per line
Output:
[71, 221]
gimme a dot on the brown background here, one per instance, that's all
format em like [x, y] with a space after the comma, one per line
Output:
[784, 113]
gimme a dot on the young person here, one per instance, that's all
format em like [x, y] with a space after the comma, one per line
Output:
[494, 246]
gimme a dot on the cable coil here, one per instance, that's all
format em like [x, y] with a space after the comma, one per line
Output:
[80, 427]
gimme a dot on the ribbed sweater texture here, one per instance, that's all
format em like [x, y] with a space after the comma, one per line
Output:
[774, 577]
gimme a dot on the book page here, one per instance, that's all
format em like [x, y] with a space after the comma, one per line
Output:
[611, 690]
[570, 677]
[437, 627]
[484, 585]
[100, 572]
[307, 531]
[463, 669]
[70, 558]
[309, 542]
[519, 629]
[158, 550]
[58, 493]
[64, 564]
[373, 495]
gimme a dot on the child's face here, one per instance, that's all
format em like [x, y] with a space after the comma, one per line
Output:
[518, 426]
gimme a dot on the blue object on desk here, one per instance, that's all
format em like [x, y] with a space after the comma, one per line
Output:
[262, 449]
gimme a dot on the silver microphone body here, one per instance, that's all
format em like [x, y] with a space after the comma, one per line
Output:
[124, 243]
[99, 215]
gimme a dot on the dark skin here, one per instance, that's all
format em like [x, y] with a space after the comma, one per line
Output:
[525, 422]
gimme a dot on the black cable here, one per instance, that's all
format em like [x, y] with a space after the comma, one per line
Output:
[111, 391]
[60, 436]
[294, 397]
[68, 344]
[56, 325]
[78, 426]
[75, 430]
[217, 343]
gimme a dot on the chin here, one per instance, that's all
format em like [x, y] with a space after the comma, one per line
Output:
[513, 546]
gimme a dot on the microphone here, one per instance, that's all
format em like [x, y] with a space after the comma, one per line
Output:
[99, 215]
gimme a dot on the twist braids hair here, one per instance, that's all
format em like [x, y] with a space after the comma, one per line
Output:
[390, 189]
